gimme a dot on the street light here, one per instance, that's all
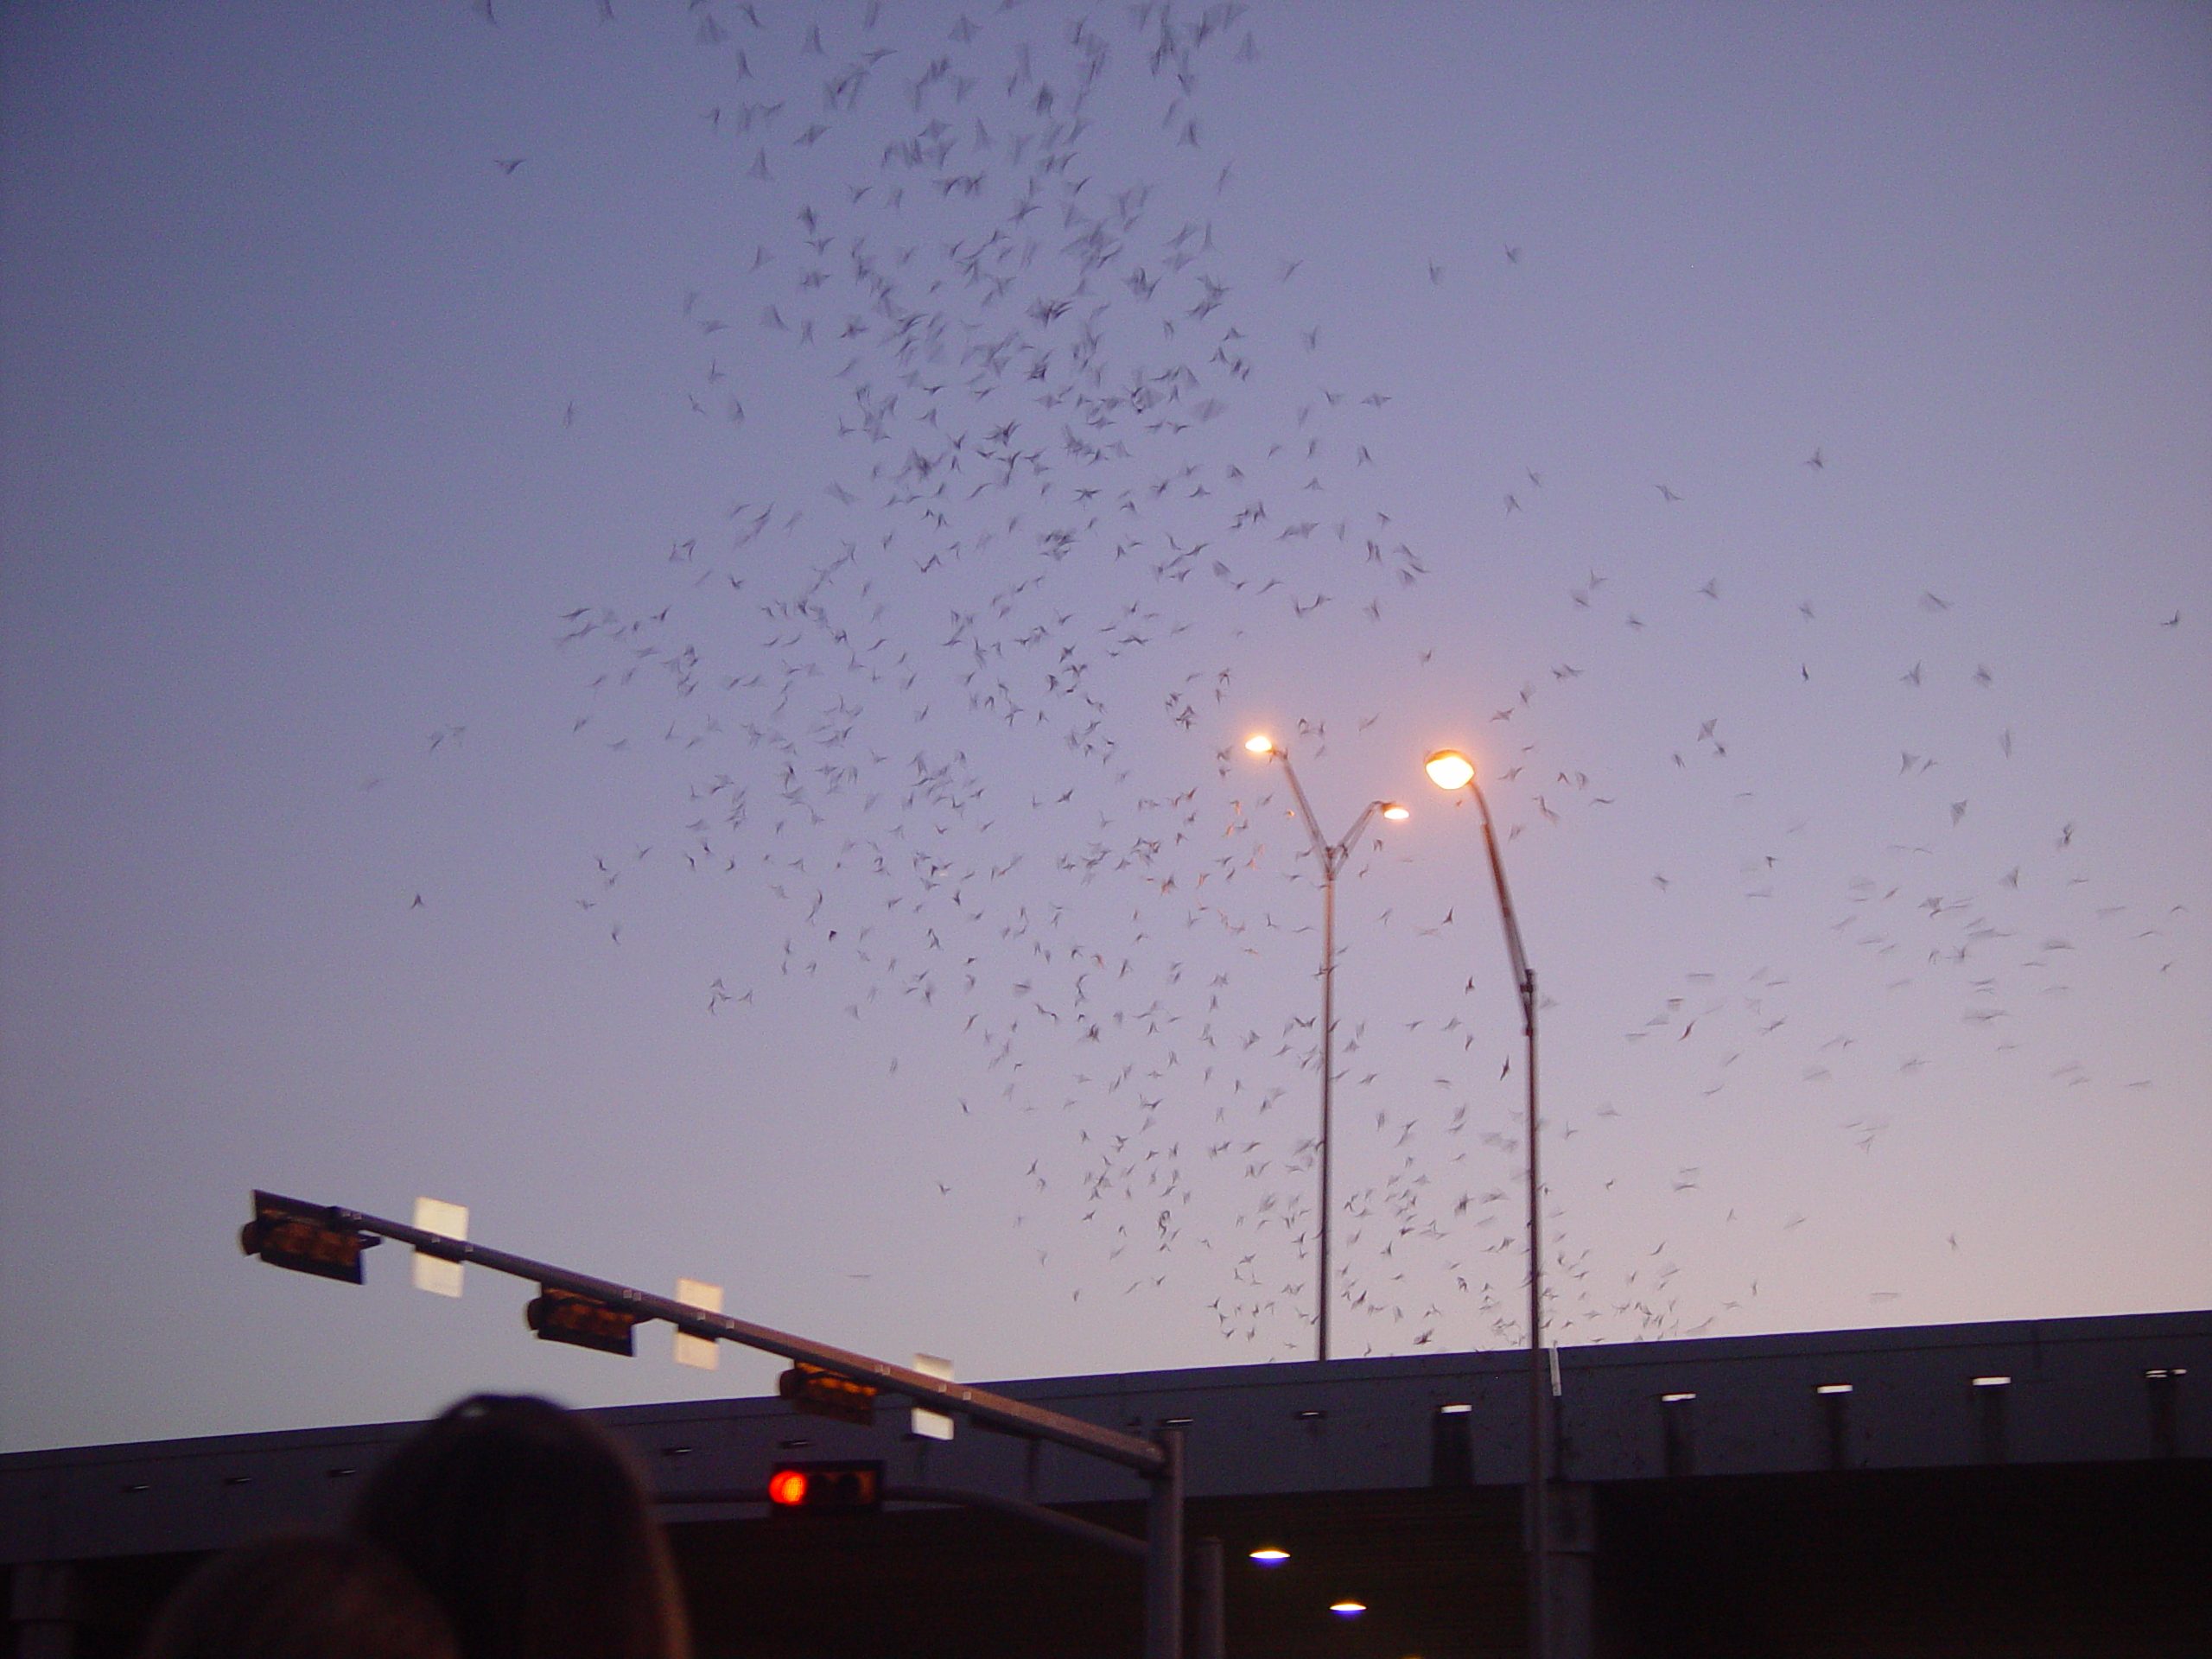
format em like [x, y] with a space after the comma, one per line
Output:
[1448, 769]
[1332, 855]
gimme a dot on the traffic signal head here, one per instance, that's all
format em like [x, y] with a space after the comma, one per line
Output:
[305, 1237]
[566, 1316]
[847, 1486]
[825, 1394]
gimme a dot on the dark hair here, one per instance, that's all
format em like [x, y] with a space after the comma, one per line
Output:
[531, 1528]
[300, 1599]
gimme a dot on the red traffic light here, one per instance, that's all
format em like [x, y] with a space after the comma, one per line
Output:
[566, 1316]
[825, 1394]
[305, 1237]
[847, 1486]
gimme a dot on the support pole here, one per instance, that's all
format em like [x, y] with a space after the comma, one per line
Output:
[1540, 1379]
[1328, 1083]
[1163, 1561]
[1209, 1640]
[1332, 855]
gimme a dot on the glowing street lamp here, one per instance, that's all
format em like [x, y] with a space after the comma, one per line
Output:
[1448, 769]
[1332, 856]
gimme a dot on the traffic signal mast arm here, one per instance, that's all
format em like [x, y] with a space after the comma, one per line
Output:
[1036, 1514]
[991, 1410]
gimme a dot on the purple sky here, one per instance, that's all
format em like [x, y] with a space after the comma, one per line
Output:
[684, 692]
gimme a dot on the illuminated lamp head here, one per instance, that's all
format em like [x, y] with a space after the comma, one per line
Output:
[1449, 769]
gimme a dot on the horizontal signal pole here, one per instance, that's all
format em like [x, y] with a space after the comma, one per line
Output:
[991, 1410]
[950, 1497]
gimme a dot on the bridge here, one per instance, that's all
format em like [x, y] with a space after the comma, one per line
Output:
[2017, 1488]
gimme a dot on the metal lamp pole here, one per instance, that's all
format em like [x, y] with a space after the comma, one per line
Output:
[1449, 769]
[1332, 856]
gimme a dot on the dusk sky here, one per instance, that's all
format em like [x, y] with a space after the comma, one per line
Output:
[639, 616]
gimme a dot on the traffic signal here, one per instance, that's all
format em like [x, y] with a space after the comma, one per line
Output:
[568, 1316]
[825, 1394]
[846, 1486]
[303, 1236]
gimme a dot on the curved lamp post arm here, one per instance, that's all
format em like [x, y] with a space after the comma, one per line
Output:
[1525, 982]
[1342, 850]
[1322, 850]
[1332, 853]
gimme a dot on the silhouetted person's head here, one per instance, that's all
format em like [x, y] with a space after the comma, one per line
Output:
[301, 1598]
[532, 1530]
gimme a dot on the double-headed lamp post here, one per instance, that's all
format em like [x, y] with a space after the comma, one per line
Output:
[1448, 769]
[1332, 856]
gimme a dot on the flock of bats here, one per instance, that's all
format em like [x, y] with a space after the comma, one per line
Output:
[965, 705]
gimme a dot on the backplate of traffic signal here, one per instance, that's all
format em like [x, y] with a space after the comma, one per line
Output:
[566, 1316]
[304, 1237]
[827, 1394]
[853, 1484]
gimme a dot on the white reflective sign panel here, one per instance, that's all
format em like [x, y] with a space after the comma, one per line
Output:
[439, 1277]
[698, 1352]
[930, 1424]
